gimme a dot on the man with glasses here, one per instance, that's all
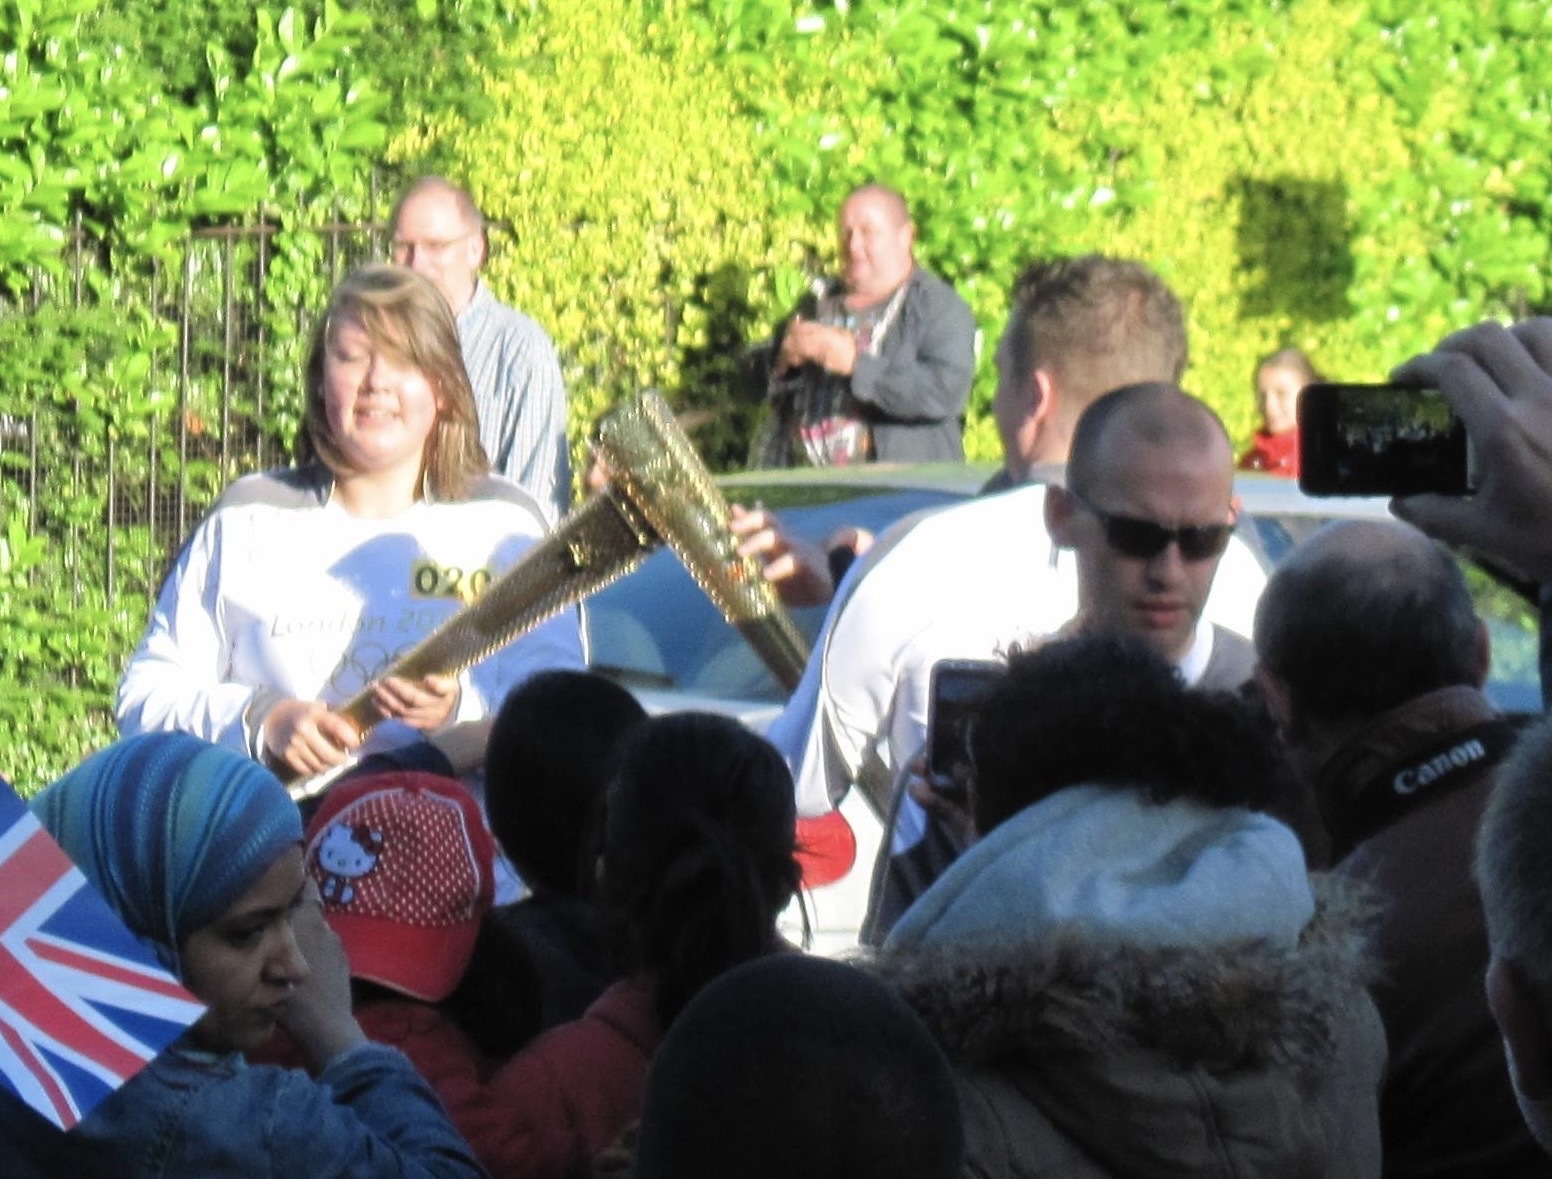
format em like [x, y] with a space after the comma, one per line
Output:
[1132, 544]
[1148, 511]
[439, 233]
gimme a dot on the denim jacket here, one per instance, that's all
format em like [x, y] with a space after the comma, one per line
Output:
[189, 1113]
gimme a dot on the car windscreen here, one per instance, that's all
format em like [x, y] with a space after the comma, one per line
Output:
[655, 628]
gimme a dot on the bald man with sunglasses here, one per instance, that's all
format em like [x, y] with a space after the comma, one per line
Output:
[1148, 510]
[1135, 536]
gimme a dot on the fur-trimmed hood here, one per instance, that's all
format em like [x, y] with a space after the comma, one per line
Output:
[1083, 1055]
[1221, 1008]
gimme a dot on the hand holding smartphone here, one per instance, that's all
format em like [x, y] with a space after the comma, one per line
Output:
[956, 689]
[1500, 381]
[1381, 440]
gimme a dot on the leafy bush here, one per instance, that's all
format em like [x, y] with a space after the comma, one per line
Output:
[415, 53]
[636, 223]
[105, 173]
[1354, 178]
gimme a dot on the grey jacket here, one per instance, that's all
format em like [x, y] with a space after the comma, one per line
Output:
[914, 392]
[917, 388]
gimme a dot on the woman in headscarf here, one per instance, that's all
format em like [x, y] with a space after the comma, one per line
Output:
[199, 850]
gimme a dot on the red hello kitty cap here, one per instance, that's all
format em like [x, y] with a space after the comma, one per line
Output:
[403, 861]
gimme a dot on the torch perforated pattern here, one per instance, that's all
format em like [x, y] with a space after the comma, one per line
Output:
[660, 473]
[599, 542]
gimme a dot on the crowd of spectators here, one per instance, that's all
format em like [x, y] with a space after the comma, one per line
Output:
[1209, 908]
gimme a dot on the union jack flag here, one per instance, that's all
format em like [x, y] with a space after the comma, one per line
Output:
[84, 1005]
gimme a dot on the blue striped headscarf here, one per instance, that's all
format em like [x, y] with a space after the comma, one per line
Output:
[171, 829]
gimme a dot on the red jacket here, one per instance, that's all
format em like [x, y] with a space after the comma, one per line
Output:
[436, 1046]
[568, 1095]
[1276, 454]
[546, 1112]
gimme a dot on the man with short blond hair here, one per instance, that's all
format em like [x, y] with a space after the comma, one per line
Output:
[962, 581]
[439, 233]
[1077, 328]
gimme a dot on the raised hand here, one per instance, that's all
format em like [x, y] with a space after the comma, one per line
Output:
[1499, 382]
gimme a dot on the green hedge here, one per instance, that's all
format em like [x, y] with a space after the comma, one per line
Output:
[104, 172]
[1356, 178]
[1353, 178]
[633, 197]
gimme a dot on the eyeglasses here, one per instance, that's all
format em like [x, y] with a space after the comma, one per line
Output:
[1146, 539]
[401, 248]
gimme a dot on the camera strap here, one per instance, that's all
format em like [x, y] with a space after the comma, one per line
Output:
[1401, 786]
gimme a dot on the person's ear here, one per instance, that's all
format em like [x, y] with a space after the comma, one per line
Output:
[1523, 1029]
[1060, 510]
[1526, 1045]
[1043, 395]
[474, 249]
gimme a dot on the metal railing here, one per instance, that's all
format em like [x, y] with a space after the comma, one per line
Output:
[115, 511]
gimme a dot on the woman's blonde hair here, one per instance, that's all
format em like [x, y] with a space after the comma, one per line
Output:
[408, 318]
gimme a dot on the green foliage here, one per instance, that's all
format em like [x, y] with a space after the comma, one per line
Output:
[416, 54]
[1354, 178]
[106, 170]
[1351, 177]
[1480, 98]
[636, 223]
[429, 55]
[56, 678]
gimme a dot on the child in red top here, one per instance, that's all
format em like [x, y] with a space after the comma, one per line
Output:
[1275, 448]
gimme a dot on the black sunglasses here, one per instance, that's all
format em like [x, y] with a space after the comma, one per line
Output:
[1146, 539]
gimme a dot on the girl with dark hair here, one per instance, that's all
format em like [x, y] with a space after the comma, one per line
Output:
[554, 748]
[1109, 708]
[698, 863]
[699, 854]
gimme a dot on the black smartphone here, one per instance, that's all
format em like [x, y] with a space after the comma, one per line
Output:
[956, 688]
[1381, 440]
